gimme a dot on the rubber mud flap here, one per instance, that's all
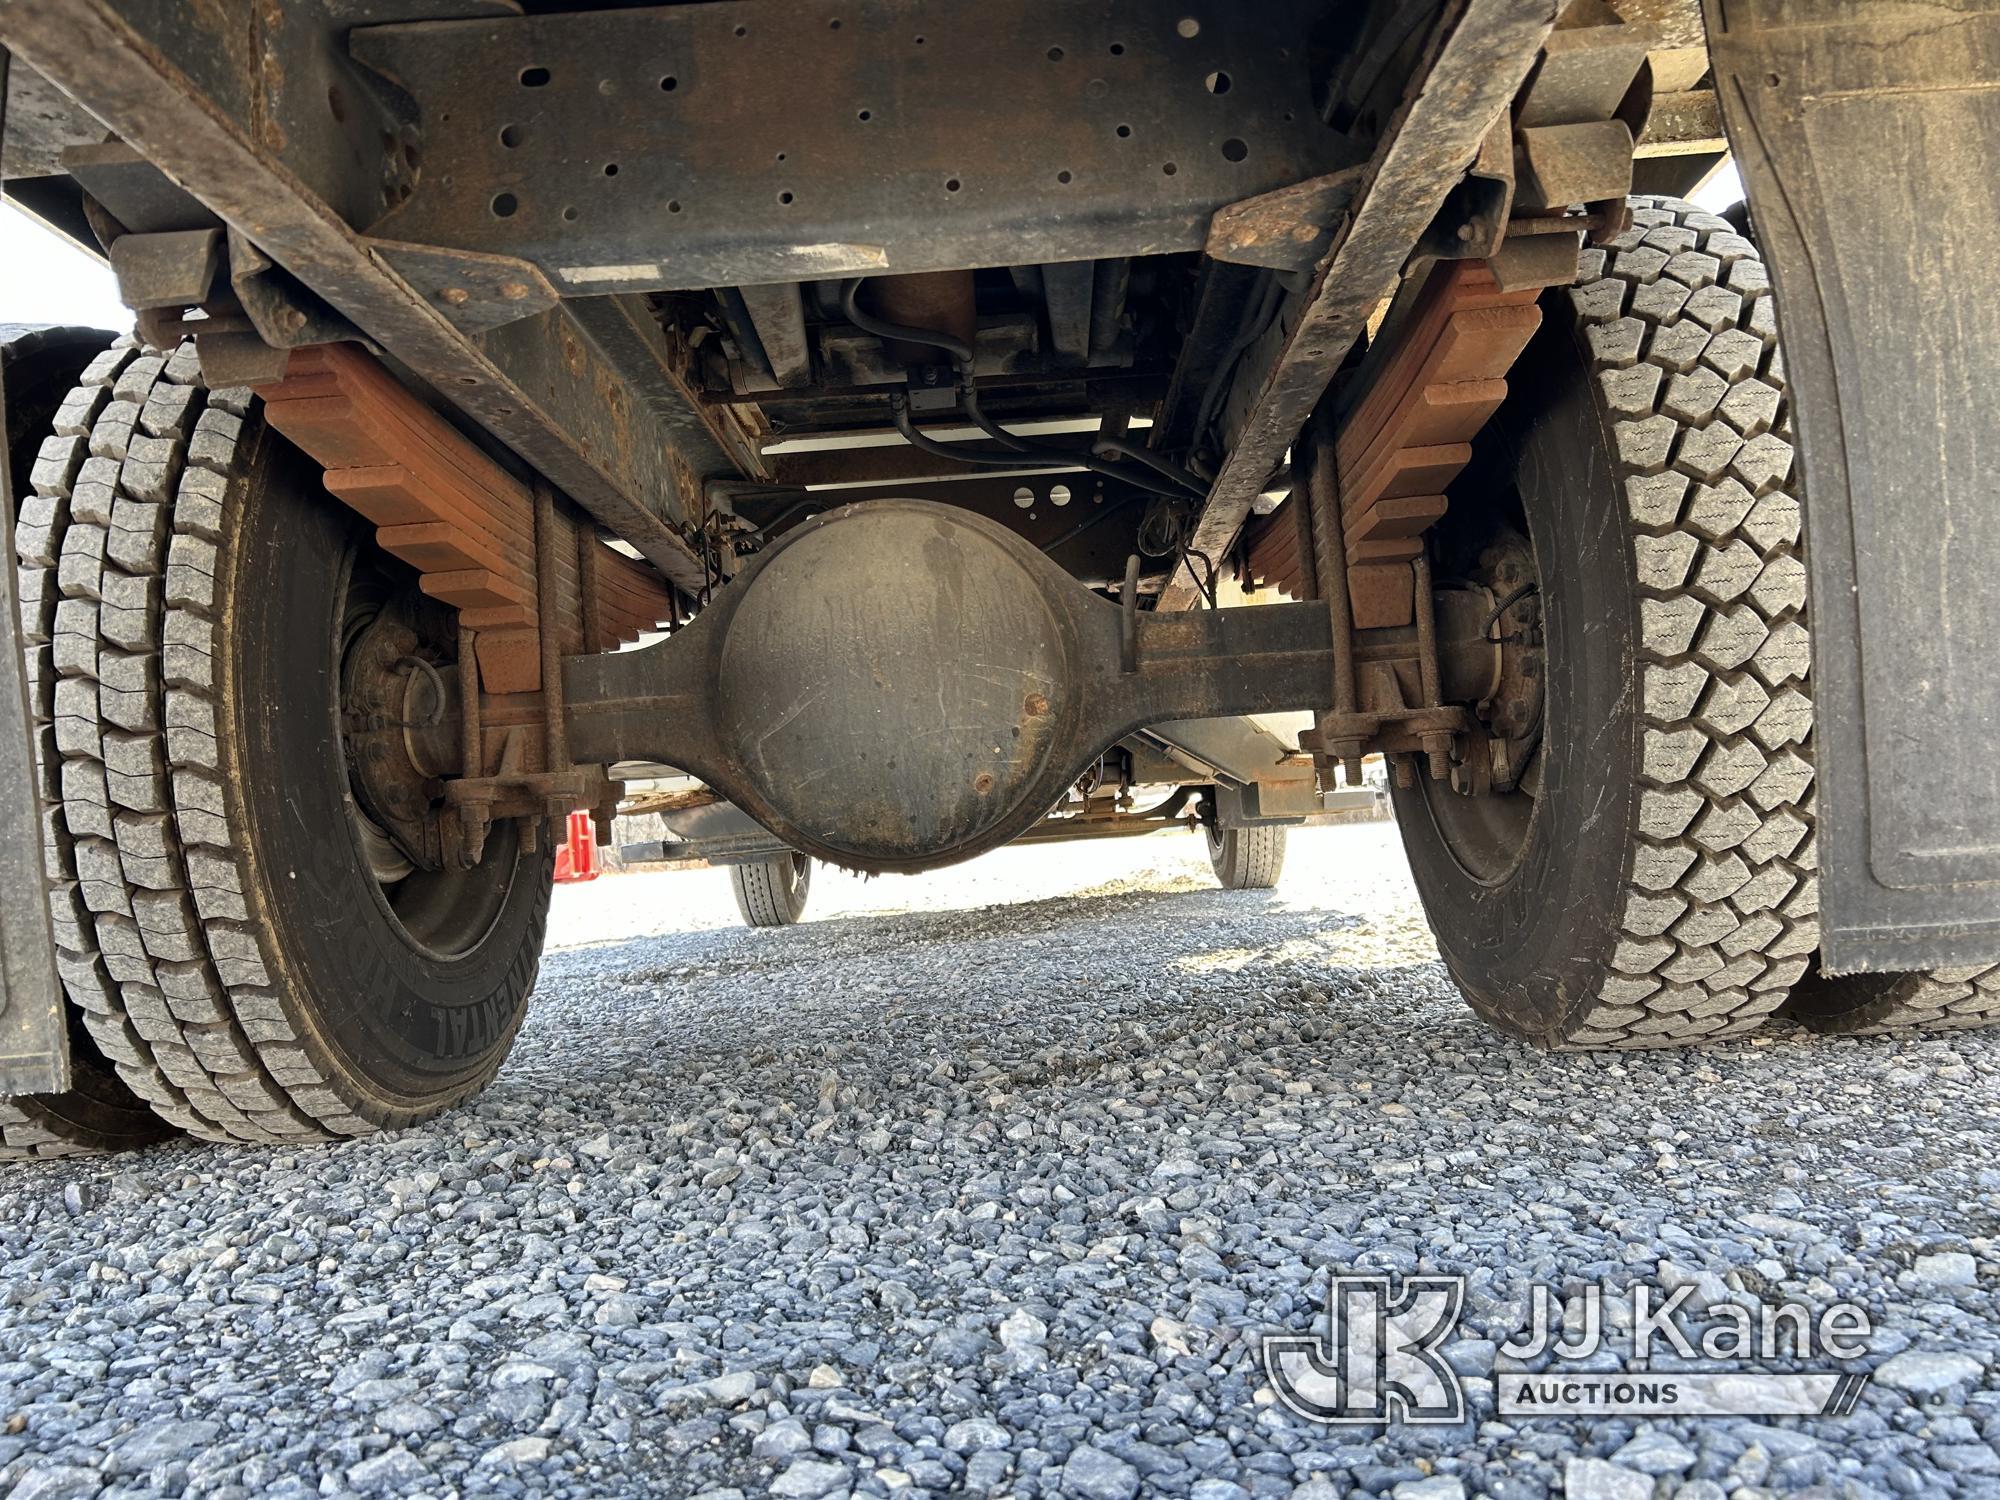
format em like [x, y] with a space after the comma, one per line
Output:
[1866, 135]
[34, 1036]
[34, 1056]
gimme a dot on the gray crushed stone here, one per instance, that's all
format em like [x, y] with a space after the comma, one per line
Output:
[919, 1198]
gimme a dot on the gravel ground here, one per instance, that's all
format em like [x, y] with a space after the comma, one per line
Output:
[919, 1197]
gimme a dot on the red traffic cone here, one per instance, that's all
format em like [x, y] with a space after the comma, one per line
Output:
[576, 856]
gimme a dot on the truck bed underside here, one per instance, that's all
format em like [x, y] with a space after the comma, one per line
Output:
[615, 241]
[601, 315]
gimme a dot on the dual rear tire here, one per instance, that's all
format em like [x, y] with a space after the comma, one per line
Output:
[239, 969]
[1871, 1004]
[189, 592]
[97, 1112]
[1653, 879]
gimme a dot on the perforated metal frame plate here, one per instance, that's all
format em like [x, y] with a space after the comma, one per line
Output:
[745, 142]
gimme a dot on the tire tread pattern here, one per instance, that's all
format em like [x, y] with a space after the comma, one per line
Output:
[1248, 859]
[160, 949]
[1721, 900]
[98, 1113]
[765, 896]
[1961, 999]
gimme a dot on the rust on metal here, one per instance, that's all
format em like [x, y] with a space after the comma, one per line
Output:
[452, 513]
[1588, 72]
[1286, 229]
[1324, 560]
[551, 541]
[1557, 165]
[1469, 72]
[471, 744]
[438, 503]
[1436, 743]
[1422, 395]
[184, 99]
[939, 300]
[1683, 124]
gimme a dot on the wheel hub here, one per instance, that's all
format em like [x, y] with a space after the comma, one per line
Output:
[391, 694]
[1510, 714]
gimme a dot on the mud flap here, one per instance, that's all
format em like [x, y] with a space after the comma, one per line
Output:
[34, 1047]
[1866, 135]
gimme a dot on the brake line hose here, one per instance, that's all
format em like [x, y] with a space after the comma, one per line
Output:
[899, 412]
[1163, 478]
[867, 322]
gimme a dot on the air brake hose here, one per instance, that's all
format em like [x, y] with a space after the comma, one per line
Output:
[850, 303]
[1138, 480]
[899, 411]
[1165, 468]
[1168, 480]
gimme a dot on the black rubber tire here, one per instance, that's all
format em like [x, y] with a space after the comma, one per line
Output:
[1869, 1004]
[43, 362]
[1245, 859]
[97, 1113]
[772, 893]
[1662, 888]
[217, 926]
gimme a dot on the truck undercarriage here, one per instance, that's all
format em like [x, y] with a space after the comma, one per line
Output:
[958, 391]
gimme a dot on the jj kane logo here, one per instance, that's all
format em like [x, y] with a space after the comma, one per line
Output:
[1380, 1357]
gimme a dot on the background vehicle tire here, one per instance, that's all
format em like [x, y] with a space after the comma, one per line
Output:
[1246, 859]
[219, 926]
[1661, 886]
[1865, 1004]
[773, 893]
[98, 1113]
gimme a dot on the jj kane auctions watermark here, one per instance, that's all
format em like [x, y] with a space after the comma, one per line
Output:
[1380, 1357]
